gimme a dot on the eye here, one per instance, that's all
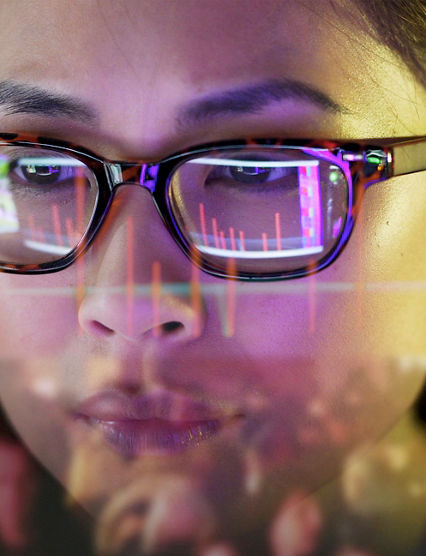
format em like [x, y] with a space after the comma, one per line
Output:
[250, 172]
[42, 171]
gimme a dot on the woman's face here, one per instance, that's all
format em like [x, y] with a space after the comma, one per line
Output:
[260, 380]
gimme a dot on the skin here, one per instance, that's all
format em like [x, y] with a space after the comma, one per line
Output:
[17, 488]
[314, 372]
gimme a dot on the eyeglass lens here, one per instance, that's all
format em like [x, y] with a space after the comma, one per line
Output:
[47, 200]
[270, 210]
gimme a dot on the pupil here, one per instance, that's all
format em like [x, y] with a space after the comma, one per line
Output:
[250, 174]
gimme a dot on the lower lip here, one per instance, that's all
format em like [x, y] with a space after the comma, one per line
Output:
[133, 438]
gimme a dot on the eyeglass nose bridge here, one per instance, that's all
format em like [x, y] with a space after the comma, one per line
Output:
[133, 172]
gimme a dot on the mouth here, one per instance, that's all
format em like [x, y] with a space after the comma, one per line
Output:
[132, 438]
[151, 424]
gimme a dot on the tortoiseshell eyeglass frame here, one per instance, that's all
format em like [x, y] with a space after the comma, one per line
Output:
[364, 162]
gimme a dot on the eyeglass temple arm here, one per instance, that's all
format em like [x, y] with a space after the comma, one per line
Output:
[408, 157]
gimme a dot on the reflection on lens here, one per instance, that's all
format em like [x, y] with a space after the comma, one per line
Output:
[47, 199]
[270, 210]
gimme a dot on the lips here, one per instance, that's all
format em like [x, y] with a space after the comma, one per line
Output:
[155, 436]
[150, 424]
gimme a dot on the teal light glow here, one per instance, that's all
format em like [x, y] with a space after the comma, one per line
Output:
[334, 176]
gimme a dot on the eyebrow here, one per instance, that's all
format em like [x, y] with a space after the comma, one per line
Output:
[253, 99]
[20, 98]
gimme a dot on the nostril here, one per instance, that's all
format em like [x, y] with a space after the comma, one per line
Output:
[100, 329]
[171, 326]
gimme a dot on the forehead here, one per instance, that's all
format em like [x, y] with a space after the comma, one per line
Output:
[195, 39]
[115, 54]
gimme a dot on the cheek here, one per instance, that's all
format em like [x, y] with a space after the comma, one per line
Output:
[36, 312]
[36, 418]
[37, 319]
[357, 329]
[385, 268]
[399, 233]
[398, 266]
[378, 328]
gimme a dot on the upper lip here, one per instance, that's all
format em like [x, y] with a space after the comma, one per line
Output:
[114, 405]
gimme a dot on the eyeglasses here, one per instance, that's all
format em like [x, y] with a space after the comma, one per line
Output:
[258, 209]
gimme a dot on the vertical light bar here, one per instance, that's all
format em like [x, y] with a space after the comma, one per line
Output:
[203, 224]
[222, 239]
[70, 231]
[232, 236]
[8, 214]
[230, 298]
[195, 290]
[57, 224]
[360, 269]
[80, 189]
[310, 205]
[265, 241]
[130, 276]
[79, 186]
[242, 241]
[278, 230]
[337, 226]
[316, 201]
[156, 294]
[312, 298]
[32, 227]
[215, 233]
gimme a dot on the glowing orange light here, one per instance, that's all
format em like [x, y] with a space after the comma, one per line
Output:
[243, 245]
[265, 241]
[232, 236]
[203, 224]
[278, 230]
[215, 233]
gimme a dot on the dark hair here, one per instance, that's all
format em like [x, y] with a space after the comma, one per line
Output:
[400, 25]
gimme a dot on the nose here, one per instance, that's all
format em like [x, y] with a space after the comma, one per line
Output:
[137, 282]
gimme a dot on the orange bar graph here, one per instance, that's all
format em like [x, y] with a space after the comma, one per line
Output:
[265, 241]
[203, 224]
[232, 236]
[242, 241]
[215, 233]
[278, 230]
